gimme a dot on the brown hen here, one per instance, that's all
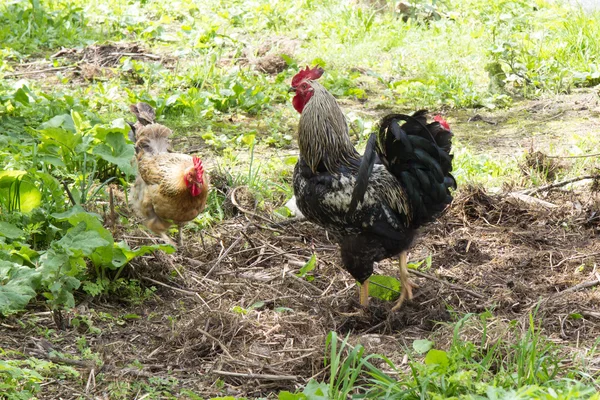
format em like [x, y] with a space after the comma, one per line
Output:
[170, 188]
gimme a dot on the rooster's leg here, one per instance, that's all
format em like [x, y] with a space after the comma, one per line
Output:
[364, 294]
[407, 285]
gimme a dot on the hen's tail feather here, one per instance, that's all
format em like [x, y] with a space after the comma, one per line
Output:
[144, 113]
[152, 139]
[145, 116]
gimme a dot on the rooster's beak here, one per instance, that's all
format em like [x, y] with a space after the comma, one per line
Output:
[292, 90]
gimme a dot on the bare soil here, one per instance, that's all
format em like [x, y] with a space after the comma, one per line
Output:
[230, 317]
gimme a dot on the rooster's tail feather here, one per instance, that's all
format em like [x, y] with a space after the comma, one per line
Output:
[417, 153]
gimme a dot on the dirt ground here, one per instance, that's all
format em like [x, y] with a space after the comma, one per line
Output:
[230, 317]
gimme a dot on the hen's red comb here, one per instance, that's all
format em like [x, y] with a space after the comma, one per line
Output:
[444, 124]
[307, 73]
[198, 165]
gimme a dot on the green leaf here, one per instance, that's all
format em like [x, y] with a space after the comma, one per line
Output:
[309, 266]
[437, 357]
[118, 125]
[422, 345]
[257, 305]
[123, 254]
[80, 124]
[10, 231]
[13, 182]
[283, 212]
[21, 97]
[67, 140]
[62, 290]
[316, 391]
[116, 151]
[79, 238]
[7, 178]
[285, 395]
[18, 286]
[384, 287]
[60, 121]
[291, 160]
[102, 255]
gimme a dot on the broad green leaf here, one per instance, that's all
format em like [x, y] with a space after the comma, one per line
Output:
[60, 121]
[67, 140]
[422, 345]
[10, 231]
[316, 391]
[117, 151]
[25, 253]
[291, 396]
[30, 196]
[438, 357]
[62, 291]
[21, 96]
[71, 213]
[291, 160]
[51, 261]
[118, 125]
[7, 178]
[80, 238]
[123, 254]
[309, 266]
[13, 182]
[283, 212]
[18, 286]
[384, 287]
[81, 125]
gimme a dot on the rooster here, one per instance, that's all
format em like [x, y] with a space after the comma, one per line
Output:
[170, 188]
[372, 204]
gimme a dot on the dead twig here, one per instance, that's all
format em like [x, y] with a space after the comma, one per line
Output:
[575, 288]
[558, 184]
[443, 282]
[39, 71]
[217, 341]
[238, 240]
[581, 156]
[266, 377]
[305, 283]
[152, 56]
[187, 292]
[576, 258]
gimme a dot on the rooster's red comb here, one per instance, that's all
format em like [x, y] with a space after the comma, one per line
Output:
[307, 73]
[443, 123]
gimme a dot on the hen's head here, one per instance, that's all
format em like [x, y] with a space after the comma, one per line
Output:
[301, 86]
[194, 177]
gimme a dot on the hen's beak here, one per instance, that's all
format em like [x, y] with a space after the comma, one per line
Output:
[292, 90]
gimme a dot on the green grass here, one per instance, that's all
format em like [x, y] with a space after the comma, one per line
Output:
[480, 367]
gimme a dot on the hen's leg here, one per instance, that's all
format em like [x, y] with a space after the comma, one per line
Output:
[179, 239]
[364, 294]
[407, 285]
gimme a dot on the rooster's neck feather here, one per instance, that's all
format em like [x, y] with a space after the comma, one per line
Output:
[323, 133]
